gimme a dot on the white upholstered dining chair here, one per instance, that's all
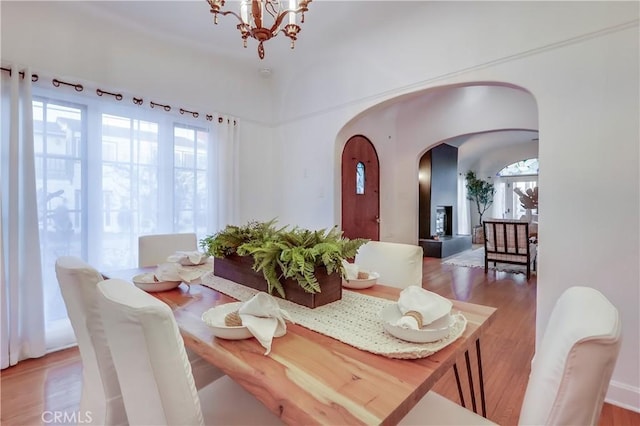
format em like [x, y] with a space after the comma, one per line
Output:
[101, 394]
[100, 387]
[153, 370]
[570, 372]
[154, 249]
[399, 265]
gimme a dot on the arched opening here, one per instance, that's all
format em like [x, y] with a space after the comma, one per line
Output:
[491, 124]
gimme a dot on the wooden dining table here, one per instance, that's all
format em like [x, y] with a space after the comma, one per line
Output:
[309, 378]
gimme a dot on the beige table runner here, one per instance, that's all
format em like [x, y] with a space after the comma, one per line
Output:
[353, 320]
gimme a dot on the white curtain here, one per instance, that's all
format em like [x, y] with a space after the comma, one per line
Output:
[21, 303]
[499, 208]
[106, 171]
[226, 197]
[464, 215]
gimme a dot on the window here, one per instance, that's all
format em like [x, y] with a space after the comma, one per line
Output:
[360, 178]
[59, 170]
[521, 174]
[107, 174]
[521, 168]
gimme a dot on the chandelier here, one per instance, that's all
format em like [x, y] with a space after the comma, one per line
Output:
[263, 19]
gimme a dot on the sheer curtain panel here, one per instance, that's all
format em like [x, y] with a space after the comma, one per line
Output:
[227, 172]
[21, 303]
[464, 215]
[85, 171]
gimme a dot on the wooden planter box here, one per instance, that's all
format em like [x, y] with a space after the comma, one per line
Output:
[239, 269]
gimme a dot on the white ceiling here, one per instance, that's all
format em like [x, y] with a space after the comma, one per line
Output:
[190, 22]
[327, 23]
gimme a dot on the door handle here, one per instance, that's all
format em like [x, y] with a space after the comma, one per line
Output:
[377, 219]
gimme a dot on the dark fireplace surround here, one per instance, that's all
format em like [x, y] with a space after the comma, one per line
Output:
[438, 196]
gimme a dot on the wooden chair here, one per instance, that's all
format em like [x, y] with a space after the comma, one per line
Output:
[507, 241]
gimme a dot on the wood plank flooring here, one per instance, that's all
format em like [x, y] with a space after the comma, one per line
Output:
[53, 383]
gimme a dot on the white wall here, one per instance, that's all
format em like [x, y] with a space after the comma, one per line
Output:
[578, 59]
[52, 37]
[586, 89]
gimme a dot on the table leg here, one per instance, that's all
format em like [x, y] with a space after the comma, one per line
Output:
[455, 370]
[471, 387]
[481, 379]
[472, 390]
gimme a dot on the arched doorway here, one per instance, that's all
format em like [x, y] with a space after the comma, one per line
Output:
[360, 189]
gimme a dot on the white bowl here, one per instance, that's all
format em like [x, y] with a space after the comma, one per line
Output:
[435, 331]
[214, 318]
[147, 283]
[361, 283]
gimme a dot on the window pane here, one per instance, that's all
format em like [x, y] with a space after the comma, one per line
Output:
[360, 178]
[521, 168]
[125, 177]
[57, 134]
[190, 179]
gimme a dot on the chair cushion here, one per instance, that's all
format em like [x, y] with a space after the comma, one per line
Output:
[573, 365]
[154, 249]
[100, 387]
[399, 265]
[148, 352]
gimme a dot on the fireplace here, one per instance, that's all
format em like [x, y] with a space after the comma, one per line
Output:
[444, 221]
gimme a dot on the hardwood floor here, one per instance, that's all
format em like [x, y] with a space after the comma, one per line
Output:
[53, 383]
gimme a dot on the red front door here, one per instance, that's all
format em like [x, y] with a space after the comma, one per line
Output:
[360, 189]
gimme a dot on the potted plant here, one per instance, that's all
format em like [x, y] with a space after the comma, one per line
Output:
[481, 192]
[298, 264]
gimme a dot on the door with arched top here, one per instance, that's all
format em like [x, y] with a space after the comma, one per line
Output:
[360, 189]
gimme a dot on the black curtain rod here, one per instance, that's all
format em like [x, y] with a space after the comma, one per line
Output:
[34, 77]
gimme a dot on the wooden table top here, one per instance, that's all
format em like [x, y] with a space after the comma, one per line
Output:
[309, 378]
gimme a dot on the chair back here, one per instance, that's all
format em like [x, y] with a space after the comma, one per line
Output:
[154, 249]
[399, 265]
[100, 387]
[571, 369]
[506, 236]
[149, 356]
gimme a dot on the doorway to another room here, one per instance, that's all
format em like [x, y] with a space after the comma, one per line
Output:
[360, 189]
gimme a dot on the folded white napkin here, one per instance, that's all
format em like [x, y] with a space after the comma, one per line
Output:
[188, 257]
[175, 272]
[351, 270]
[263, 317]
[429, 305]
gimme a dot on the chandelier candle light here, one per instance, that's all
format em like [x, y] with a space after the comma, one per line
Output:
[254, 15]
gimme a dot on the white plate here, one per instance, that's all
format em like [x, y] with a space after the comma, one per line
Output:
[435, 331]
[362, 283]
[214, 318]
[147, 283]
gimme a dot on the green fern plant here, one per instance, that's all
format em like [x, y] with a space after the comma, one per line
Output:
[285, 253]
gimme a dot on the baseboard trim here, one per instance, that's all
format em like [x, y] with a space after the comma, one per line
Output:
[624, 396]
